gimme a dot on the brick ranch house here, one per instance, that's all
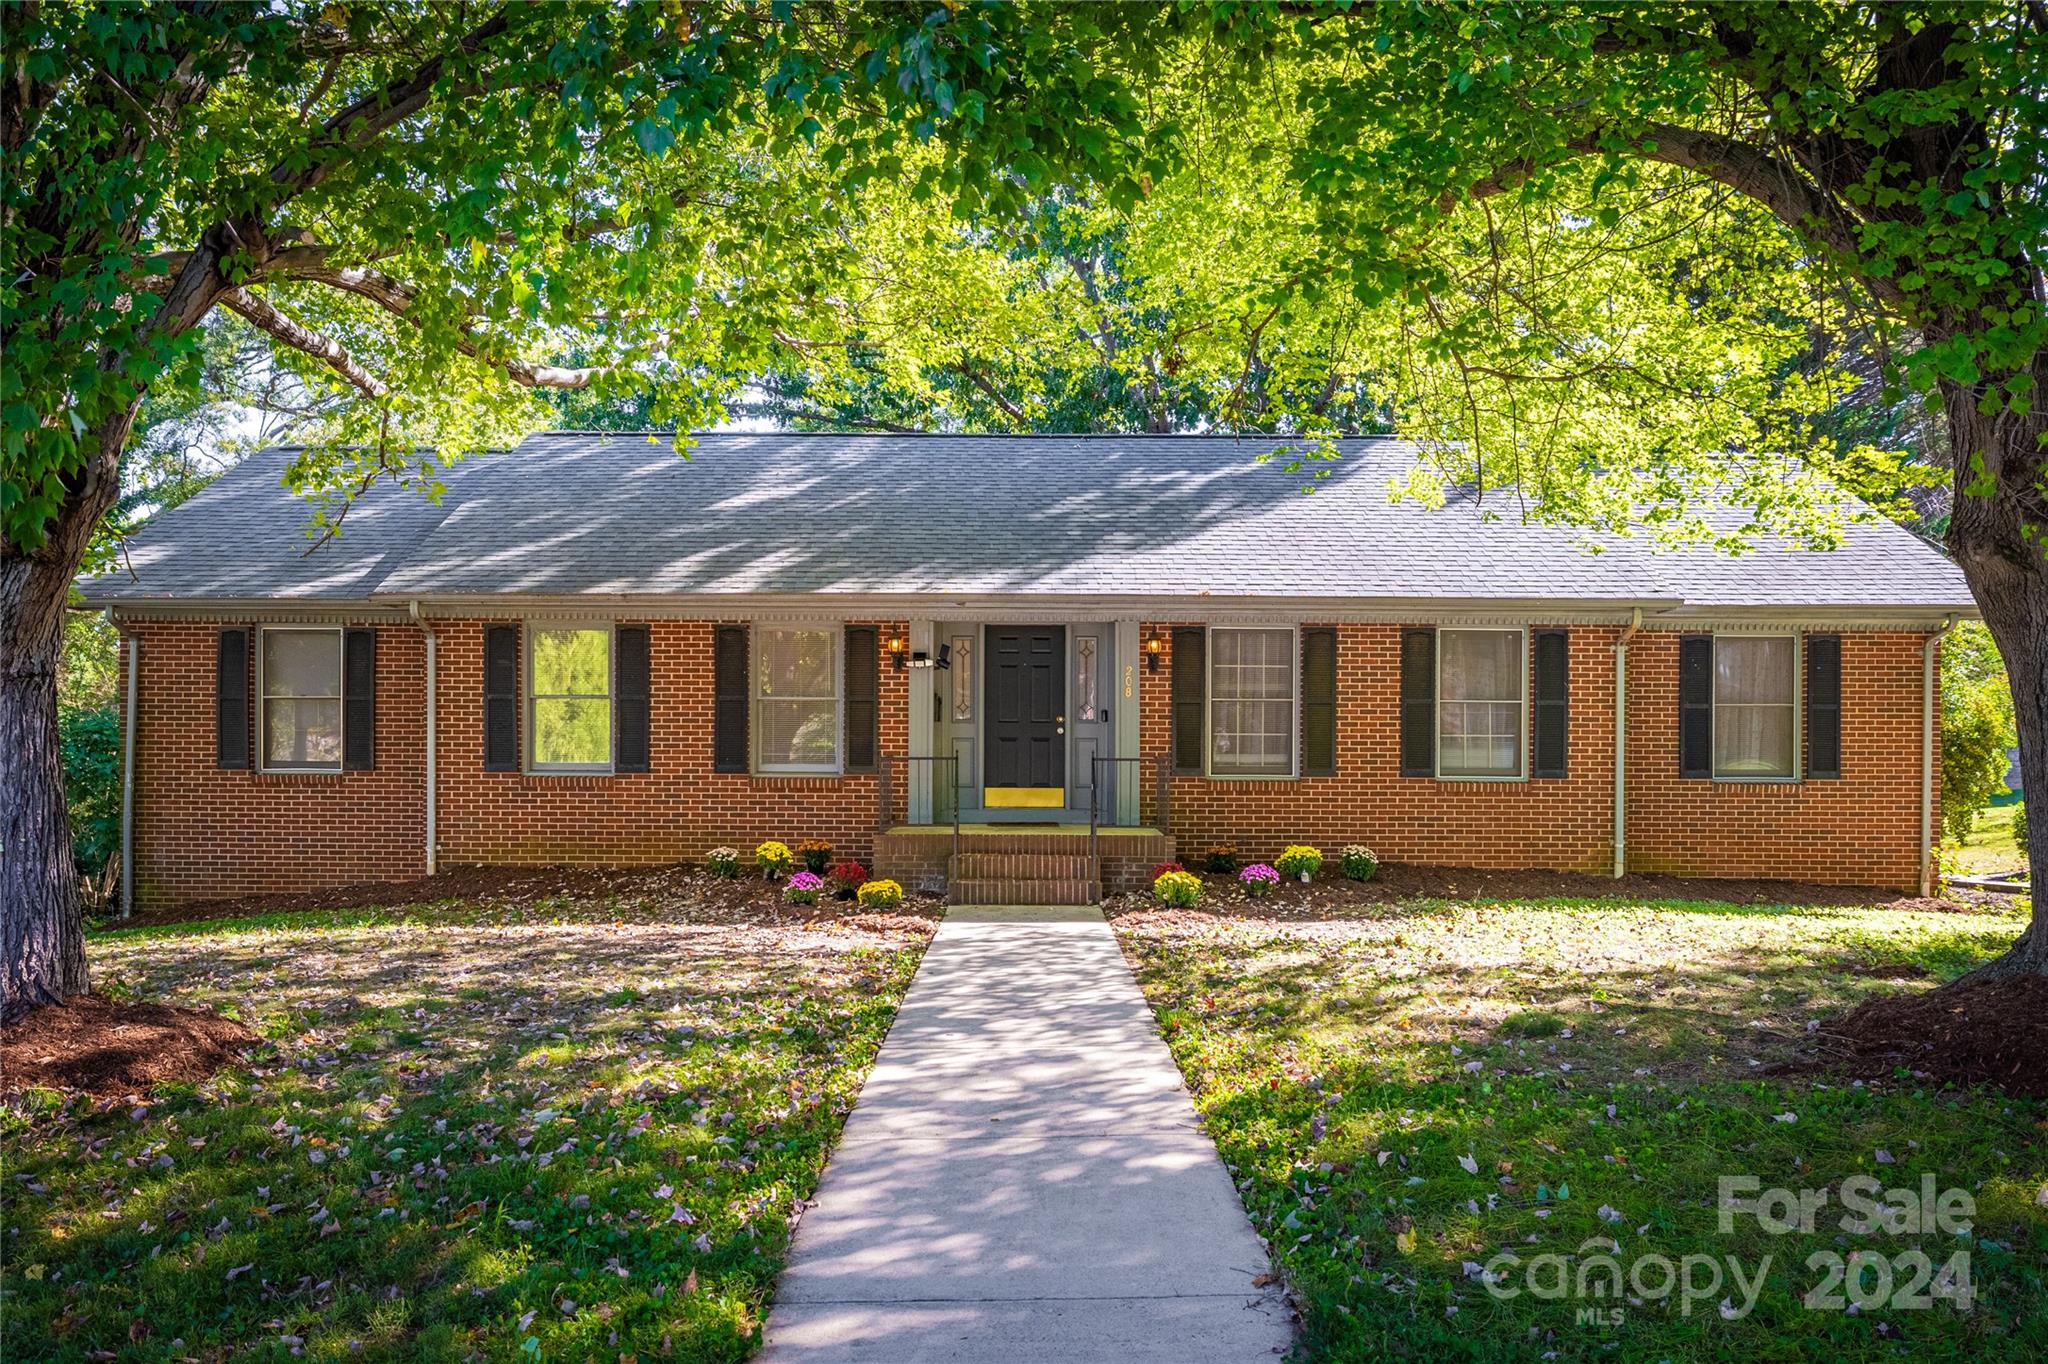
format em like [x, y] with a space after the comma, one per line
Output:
[592, 651]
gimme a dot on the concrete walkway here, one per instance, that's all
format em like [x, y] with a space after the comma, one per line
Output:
[1024, 1178]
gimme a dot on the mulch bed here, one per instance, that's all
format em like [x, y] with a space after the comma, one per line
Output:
[1990, 1032]
[1331, 896]
[106, 1048]
[709, 897]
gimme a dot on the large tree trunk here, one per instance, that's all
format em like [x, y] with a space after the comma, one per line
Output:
[42, 936]
[2001, 541]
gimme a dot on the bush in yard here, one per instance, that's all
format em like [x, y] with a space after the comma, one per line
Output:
[846, 877]
[1165, 867]
[1257, 879]
[1360, 863]
[815, 854]
[1177, 888]
[723, 862]
[1976, 726]
[804, 888]
[1300, 861]
[880, 895]
[89, 745]
[773, 859]
[2019, 830]
[1221, 859]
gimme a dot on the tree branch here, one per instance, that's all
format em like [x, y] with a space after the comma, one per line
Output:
[1775, 183]
[398, 299]
[980, 381]
[261, 314]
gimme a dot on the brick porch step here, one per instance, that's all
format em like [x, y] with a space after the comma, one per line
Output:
[1051, 877]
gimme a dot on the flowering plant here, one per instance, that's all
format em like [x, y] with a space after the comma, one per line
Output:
[1222, 858]
[1257, 879]
[804, 888]
[1177, 888]
[1300, 860]
[816, 855]
[1360, 862]
[773, 859]
[723, 862]
[846, 877]
[1165, 867]
[881, 895]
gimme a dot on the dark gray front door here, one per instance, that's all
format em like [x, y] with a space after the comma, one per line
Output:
[1025, 723]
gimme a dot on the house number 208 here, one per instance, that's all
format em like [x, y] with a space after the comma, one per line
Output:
[1130, 672]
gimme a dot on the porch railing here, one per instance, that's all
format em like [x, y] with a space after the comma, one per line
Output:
[885, 803]
[1162, 793]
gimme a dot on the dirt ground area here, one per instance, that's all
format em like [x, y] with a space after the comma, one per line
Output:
[107, 1047]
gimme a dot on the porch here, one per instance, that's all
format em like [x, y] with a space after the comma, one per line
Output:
[1014, 864]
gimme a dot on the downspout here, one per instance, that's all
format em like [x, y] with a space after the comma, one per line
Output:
[1635, 624]
[1927, 689]
[128, 778]
[433, 748]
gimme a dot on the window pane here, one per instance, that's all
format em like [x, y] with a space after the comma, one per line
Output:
[963, 677]
[572, 663]
[1085, 651]
[1754, 687]
[1251, 709]
[301, 733]
[1482, 665]
[569, 732]
[302, 662]
[1753, 671]
[797, 663]
[799, 733]
[1479, 719]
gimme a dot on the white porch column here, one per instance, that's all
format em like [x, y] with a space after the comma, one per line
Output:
[1130, 777]
[918, 783]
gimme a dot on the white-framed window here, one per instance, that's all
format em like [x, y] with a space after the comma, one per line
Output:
[1756, 707]
[1252, 701]
[298, 677]
[1482, 686]
[569, 678]
[797, 724]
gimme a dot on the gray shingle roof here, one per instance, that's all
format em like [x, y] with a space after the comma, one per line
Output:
[572, 514]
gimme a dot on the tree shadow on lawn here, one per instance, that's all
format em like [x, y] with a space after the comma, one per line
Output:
[1598, 1096]
[589, 1136]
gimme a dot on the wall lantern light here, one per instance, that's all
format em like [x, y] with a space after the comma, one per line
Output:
[1154, 646]
[896, 645]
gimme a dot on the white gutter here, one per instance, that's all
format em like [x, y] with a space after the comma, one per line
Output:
[1927, 688]
[1621, 743]
[433, 748]
[128, 781]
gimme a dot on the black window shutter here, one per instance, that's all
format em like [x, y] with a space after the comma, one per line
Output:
[729, 698]
[863, 709]
[359, 700]
[1552, 701]
[1190, 685]
[231, 700]
[1824, 706]
[1696, 706]
[630, 670]
[1319, 703]
[501, 698]
[1418, 703]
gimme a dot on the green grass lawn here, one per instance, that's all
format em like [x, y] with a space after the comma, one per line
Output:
[1990, 846]
[546, 1131]
[1408, 1093]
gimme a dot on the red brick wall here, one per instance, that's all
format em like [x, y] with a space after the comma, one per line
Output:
[1566, 824]
[1861, 830]
[676, 810]
[201, 832]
